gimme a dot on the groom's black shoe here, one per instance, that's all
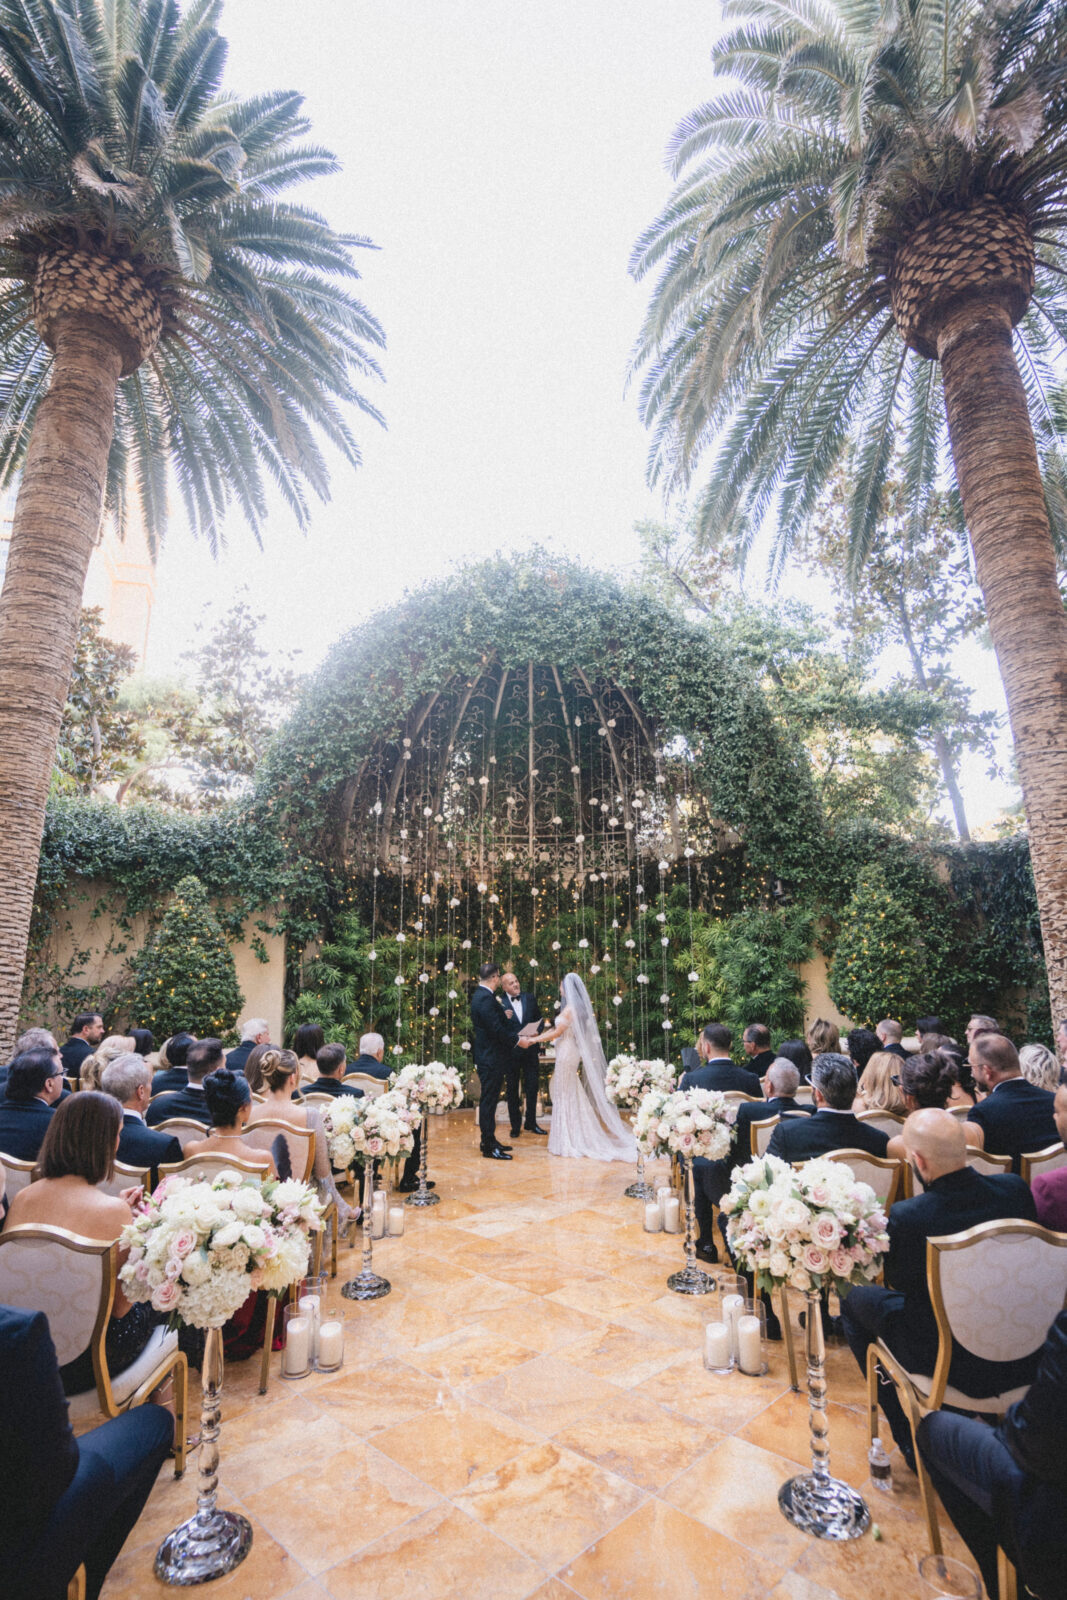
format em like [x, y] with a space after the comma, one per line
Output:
[706, 1252]
[531, 1127]
[497, 1154]
[501, 1146]
[516, 1133]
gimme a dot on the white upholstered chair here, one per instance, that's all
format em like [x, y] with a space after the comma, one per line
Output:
[16, 1174]
[1047, 1160]
[369, 1085]
[759, 1134]
[884, 1174]
[208, 1166]
[738, 1097]
[804, 1095]
[320, 1100]
[125, 1177]
[184, 1129]
[985, 1162]
[261, 1134]
[887, 1121]
[72, 1280]
[996, 1288]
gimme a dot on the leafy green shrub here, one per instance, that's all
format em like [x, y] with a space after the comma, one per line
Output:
[185, 975]
[880, 966]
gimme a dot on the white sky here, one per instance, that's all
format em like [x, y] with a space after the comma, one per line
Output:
[504, 158]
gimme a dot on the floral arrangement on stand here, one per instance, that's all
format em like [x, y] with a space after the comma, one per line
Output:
[196, 1250]
[686, 1123]
[434, 1088]
[811, 1228]
[365, 1129]
[626, 1082]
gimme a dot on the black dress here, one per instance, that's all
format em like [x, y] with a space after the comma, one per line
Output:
[124, 1341]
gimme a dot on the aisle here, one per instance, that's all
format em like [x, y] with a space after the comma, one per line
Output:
[527, 1415]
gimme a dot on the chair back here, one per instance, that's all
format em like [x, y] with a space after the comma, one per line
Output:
[257, 1099]
[804, 1095]
[737, 1097]
[1047, 1160]
[17, 1175]
[884, 1174]
[320, 1100]
[996, 1288]
[208, 1167]
[370, 1086]
[184, 1129]
[886, 1121]
[73, 1084]
[985, 1161]
[759, 1134]
[125, 1177]
[68, 1277]
[960, 1111]
[300, 1142]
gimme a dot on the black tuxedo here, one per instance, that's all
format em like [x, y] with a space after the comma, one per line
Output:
[800, 1138]
[168, 1080]
[237, 1058]
[371, 1066]
[895, 1050]
[72, 1054]
[187, 1102]
[333, 1086]
[66, 1501]
[495, 1031]
[722, 1074]
[141, 1146]
[524, 1073]
[759, 1063]
[23, 1125]
[1016, 1119]
[902, 1314]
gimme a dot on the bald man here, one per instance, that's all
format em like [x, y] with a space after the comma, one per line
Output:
[954, 1197]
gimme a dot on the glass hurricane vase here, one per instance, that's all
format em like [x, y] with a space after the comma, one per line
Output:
[422, 1195]
[690, 1280]
[212, 1542]
[640, 1190]
[367, 1285]
[815, 1502]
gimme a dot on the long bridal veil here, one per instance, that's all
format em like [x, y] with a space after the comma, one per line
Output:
[587, 1038]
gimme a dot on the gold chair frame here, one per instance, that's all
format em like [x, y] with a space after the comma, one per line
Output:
[915, 1404]
[370, 1085]
[278, 1125]
[176, 1126]
[188, 1164]
[975, 1154]
[318, 1099]
[1033, 1162]
[76, 1586]
[16, 1164]
[173, 1364]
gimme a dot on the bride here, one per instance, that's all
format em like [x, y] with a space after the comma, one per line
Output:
[584, 1121]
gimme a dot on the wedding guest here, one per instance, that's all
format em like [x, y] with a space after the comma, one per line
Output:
[1040, 1067]
[308, 1040]
[931, 1081]
[280, 1073]
[128, 1079]
[780, 1084]
[32, 1039]
[925, 1025]
[1016, 1116]
[979, 1024]
[253, 1067]
[1050, 1188]
[823, 1037]
[67, 1502]
[332, 1065]
[201, 1057]
[86, 1032]
[862, 1043]
[877, 1089]
[891, 1033]
[34, 1085]
[796, 1051]
[116, 1044]
[229, 1100]
[955, 1198]
[174, 1060]
[371, 1058]
[144, 1042]
[717, 1070]
[756, 1044]
[834, 1126]
[1007, 1485]
[254, 1030]
[78, 1153]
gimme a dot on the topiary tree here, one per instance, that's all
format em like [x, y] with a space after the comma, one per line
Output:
[185, 975]
[880, 965]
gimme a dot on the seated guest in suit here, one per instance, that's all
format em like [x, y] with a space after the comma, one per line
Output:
[834, 1125]
[878, 1088]
[77, 1154]
[956, 1197]
[1050, 1188]
[924, 1026]
[254, 1030]
[796, 1051]
[308, 1040]
[371, 1058]
[1007, 1485]
[717, 1071]
[32, 1039]
[890, 1033]
[229, 1100]
[86, 1032]
[980, 1024]
[1015, 1117]
[201, 1057]
[128, 1080]
[823, 1038]
[756, 1043]
[67, 1502]
[332, 1065]
[34, 1085]
[173, 1075]
[932, 1081]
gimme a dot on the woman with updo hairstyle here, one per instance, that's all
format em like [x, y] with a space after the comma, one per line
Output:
[823, 1037]
[308, 1040]
[933, 1079]
[253, 1067]
[280, 1071]
[229, 1099]
[115, 1045]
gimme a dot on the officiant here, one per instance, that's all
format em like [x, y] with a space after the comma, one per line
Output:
[523, 1075]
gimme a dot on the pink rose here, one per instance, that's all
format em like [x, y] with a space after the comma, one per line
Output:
[172, 1267]
[375, 1147]
[826, 1230]
[183, 1242]
[814, 1259]
[841, 1264]
[820, 1193]
[166, 1297]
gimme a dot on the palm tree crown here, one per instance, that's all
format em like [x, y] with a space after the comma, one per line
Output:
[871, 166]
[133, 190]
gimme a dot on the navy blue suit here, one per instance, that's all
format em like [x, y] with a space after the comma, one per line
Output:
[371, 1066]
[72, 1054]
[724, 1075]
[800, 1138]
[185, 1102]
[238, 1056]
[23, 1125]
[495, 1032]
[1016, 1119]
[65, 1501]
[140, 1146]
[168, 1080]
[333, 1086]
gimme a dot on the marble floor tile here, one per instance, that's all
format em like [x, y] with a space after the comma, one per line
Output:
[660, 1554]
[734, 1489]
[442, 1555]
[638, 1439]
[622, 1356]
[269, 1440]
[544, 1393]
[599, 1296]
[377, 1396]
[540, 1325]
[784, 1428]
[456, 1442]
[727, 1403]
[469, 1355]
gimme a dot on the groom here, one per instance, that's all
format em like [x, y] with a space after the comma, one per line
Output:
[496, 1037]
[524, 1070]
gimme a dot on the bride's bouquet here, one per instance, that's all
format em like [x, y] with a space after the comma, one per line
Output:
[197, 1249]
[813, 1227]
[433, 1086]
[686, 1123]
[375, 1129]
[627, 1080]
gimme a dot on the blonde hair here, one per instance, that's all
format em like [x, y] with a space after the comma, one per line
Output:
[115, 1045]
[824, 1037]
[1039, 1066]
[876, 1086]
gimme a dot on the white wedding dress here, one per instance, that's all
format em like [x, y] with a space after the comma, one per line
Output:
[584, 1121]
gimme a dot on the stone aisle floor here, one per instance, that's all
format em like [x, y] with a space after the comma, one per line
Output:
[526, 1414]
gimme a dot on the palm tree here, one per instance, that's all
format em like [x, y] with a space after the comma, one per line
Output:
[162, 308]
[865, 255]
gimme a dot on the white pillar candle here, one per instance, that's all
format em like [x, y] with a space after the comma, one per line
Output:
[717, 1344]
[663, 1194]
[732, 1308]
[396, 1221]
[297, 1344]
[653, 1217]
[308, 1304]
[672, 1214]
[331, 1344]
[749, 1351]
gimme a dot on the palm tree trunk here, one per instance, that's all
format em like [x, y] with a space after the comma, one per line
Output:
[57, 517]
[1004, 506]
